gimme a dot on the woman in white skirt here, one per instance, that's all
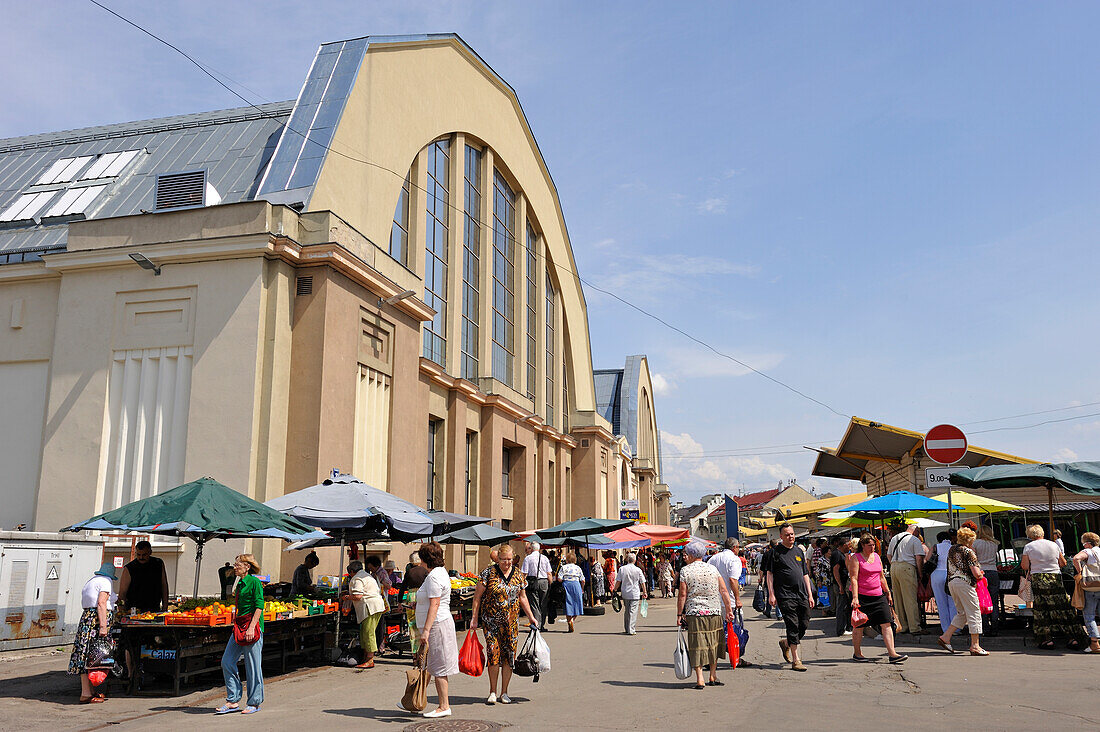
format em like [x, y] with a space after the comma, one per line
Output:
[437, 627]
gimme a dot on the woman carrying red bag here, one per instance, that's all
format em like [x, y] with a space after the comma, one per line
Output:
[871, 596]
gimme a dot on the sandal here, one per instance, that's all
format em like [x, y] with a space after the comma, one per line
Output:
[95, 699]
[227, 709]
[716, 682]
[945, 646]
[1047, 645]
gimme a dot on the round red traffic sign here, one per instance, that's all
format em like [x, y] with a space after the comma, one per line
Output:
[945, 443]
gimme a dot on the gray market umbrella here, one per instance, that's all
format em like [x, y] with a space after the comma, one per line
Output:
[1079, 477]
[586, 540]
[201, 510]
[479, 535]
[582, 526]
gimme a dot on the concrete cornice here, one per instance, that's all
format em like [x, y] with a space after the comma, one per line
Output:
[260, 244]
[26, 272]
[596, 430]
[436, 373]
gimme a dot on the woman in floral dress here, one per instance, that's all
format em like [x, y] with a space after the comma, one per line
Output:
[497, 602]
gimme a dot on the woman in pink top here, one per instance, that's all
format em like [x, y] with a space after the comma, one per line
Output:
[871, 594]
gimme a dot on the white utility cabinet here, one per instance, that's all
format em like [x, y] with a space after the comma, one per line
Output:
[41, 576]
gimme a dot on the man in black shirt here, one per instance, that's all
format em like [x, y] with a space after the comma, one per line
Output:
[789, 590]
[144, 583]
[838, 562]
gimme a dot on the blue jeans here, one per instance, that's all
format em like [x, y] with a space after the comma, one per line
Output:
[1091, 611]
[252, 655]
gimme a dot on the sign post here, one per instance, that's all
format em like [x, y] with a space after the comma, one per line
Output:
[945, 444]
[628, 509]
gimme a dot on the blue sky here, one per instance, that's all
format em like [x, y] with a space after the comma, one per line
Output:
[891, 207]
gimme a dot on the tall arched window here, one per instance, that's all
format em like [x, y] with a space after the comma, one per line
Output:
[471, 264]
[532, 314]
[504, 286]
[551, 318]
[399, 232]
[436, 242]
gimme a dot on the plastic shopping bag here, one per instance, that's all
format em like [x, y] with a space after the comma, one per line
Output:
[985, 602]
[680, 663]
[733, 645]
[542, 653]
[643, 608]
[471, 658]
[859, 618]
[758, 599]
[823, 596]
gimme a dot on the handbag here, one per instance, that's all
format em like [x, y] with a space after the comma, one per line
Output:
[985, 602]
[930, 564]
[542, 652]
[680, 663]
[1078, 599]
[1024, 593]
[471, 658]
[240, 626]
[823, 596]
[859, 618]
[643, 608]
[740, 631]
[616, 603]
[758, 603]
[415, 697]
[924, 590]
[526, 663]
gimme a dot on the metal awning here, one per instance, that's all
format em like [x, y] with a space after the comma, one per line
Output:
[867, 441]
[1072, 507]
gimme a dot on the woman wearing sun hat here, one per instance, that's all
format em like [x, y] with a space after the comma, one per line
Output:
[98, 600]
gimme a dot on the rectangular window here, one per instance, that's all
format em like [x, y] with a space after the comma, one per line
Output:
[436, 237]
[148, 396]
[552, 488]
[505, 471]
[399, 232]
[551, 318]
[564, 399]
[370, 460]
[532, 304]
[471, 264]
[433, 433]
[471, 471]
[504, 287]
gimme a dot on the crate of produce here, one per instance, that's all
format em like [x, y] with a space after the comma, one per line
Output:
[174, 619]
[269, 615]
[316, 609]
[332, 607]
[303, 613]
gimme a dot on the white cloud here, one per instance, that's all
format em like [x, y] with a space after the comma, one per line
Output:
[711, 206]
[698, 363]
[648, 273]
[661, 385]
[605, 244]
[696, 476]
[1062, 455]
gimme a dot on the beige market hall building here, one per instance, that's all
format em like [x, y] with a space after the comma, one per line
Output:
[376, 277]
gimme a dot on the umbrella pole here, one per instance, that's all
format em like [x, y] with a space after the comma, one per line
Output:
[1050, 509]
[198, 564]
[339, 575]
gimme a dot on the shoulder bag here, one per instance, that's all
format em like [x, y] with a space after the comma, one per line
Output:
[240, 627]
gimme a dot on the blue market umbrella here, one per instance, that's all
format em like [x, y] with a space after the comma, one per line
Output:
[895, 503]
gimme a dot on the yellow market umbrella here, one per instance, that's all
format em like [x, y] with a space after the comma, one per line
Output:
[970, 503]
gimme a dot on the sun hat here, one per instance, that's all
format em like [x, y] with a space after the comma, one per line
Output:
[107, 569]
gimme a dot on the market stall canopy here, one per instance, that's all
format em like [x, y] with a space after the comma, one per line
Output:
[968, 502]
[478, 535]
[868, 441]
[895, 503]
[201, 510]
[1079, 477]
[854, 519]
[359, 512]
[656, 532]
[600, 540]
[582, 526]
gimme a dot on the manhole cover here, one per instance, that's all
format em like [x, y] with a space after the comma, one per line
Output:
[454, 725]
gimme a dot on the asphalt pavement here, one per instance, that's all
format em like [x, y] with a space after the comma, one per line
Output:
[602, 679]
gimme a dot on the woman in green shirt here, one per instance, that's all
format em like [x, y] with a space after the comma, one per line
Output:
[250, 604]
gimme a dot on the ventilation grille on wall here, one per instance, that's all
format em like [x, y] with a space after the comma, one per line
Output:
[305, 285]
[181, 190]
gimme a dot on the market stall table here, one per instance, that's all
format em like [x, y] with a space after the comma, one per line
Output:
[187, 652]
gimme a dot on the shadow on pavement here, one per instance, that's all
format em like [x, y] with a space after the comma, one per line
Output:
[652, 684]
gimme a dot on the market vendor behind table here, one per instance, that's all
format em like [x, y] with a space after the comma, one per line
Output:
[144, 583]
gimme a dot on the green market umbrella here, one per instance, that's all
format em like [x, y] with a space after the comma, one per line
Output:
[201, 510]
[1079, 477]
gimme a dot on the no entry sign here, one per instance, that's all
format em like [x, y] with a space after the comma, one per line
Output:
[945, 443]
